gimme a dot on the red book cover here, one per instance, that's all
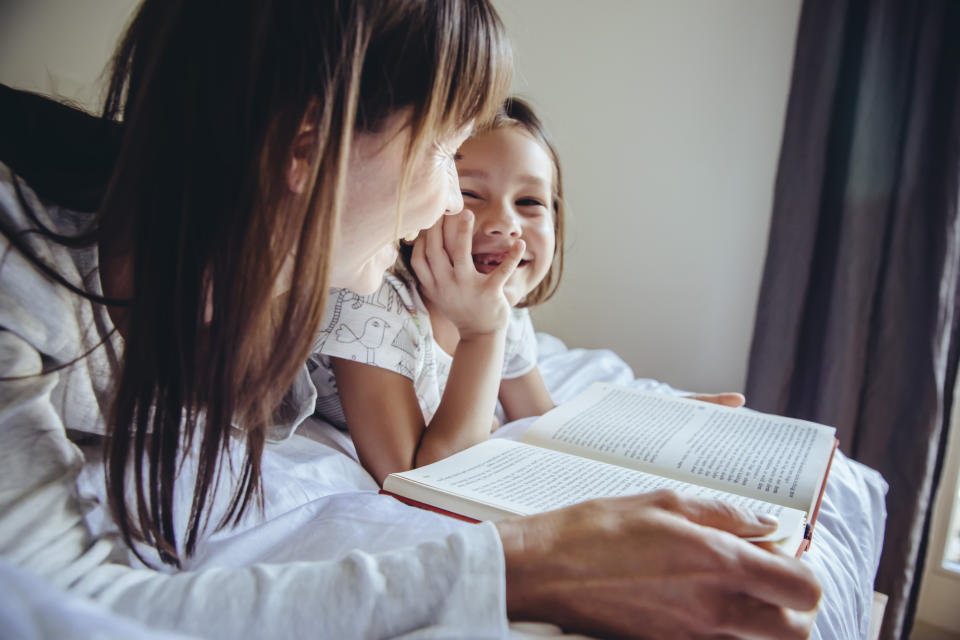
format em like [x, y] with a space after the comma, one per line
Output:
[428, 507]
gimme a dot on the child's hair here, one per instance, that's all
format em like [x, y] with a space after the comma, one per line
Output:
[515, 112]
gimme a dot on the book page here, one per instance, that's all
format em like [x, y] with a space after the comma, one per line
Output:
[762, 456]
[499, 478]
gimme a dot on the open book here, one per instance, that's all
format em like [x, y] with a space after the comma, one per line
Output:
[612, 440]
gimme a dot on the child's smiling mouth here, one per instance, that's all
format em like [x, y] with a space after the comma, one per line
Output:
[488, 262]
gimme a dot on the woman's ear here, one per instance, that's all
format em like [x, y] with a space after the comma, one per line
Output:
[301, 160]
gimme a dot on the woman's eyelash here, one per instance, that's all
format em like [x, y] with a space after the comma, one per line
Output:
[445, 152]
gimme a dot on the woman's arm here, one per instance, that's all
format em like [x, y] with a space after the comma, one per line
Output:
[525, 396]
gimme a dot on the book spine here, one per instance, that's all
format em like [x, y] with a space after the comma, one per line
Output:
[808, 534]
[429, 507]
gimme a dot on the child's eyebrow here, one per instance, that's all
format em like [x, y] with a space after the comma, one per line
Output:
[526, 179]
[473, 173]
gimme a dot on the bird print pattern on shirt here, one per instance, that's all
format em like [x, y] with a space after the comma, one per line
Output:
[343, 295]
[385, 298]
[402, 339]
[371, 337]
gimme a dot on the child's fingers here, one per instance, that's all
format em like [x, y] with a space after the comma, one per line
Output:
[439, 260]
[418, 260]
[435, 252]
[500, 275]
[459, 242]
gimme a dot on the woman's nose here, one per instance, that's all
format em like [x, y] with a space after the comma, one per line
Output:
[502, 220]
[454, 200]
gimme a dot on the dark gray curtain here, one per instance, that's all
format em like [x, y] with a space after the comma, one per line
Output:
[856, 319]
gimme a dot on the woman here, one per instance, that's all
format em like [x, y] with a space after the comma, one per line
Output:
[271, 149]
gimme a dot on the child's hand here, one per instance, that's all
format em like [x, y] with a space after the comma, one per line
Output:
[443, 264]
[726, 399]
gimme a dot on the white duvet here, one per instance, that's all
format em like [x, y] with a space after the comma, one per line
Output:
[320, 503]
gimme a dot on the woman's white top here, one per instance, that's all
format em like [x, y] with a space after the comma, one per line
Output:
[452, 588]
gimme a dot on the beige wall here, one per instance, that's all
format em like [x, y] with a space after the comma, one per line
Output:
[668, 117]
[60, 47]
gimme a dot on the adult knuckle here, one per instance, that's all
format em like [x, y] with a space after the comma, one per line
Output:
[666, 499]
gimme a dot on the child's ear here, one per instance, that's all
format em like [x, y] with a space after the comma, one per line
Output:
[298, 171]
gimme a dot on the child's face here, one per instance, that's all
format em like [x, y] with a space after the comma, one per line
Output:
[506, 178]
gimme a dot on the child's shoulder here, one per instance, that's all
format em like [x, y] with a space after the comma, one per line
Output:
[384, 328]
[520, 349]
[395, 295]
[395, 307]
[519, 320]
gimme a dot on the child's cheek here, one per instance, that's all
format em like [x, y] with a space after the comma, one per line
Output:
[545, 230]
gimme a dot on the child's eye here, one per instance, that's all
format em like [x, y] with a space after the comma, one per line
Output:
[530, 202]
[468, 194]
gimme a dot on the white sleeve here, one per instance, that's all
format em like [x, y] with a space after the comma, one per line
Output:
[520, 355]
[375, 330]
[454, 587]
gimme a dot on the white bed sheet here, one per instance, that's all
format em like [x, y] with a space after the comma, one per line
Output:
[320, 503]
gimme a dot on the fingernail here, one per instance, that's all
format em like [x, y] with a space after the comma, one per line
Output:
[766, 518]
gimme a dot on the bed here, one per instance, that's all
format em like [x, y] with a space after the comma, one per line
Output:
[320, 503]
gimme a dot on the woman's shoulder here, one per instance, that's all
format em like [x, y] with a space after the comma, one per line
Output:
[14, 199]
[32, 305]
[22, 211]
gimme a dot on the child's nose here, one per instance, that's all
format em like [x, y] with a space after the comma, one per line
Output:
[501, 220]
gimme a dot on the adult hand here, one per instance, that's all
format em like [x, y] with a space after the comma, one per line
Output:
[656, 565]
[726, 399]
[443, 263]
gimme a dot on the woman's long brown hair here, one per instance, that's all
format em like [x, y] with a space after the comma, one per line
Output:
[213, 96]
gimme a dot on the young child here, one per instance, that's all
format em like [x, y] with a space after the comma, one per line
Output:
[414, 371]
